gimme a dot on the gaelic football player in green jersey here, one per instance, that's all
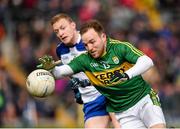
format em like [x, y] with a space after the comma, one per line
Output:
[115, 69]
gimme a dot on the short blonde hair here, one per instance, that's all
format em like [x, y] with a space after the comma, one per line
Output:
[60, 16]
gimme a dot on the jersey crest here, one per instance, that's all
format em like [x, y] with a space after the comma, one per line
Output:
[115, 60]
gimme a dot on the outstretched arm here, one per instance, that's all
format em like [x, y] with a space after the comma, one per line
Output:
[47, 62]
[142, 65]
[62, 71]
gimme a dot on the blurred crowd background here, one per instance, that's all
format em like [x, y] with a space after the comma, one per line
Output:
[26, 34]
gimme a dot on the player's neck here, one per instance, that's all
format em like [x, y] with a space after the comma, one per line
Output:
[74, 40]
[76, 37]
[104, 51]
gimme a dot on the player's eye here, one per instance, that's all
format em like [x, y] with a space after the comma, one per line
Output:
[62, 27]
[85, 45]
[56, 32]
[92, 41]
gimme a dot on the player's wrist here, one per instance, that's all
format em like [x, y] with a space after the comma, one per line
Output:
[126, 76]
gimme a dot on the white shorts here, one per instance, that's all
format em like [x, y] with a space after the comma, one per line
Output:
[144, 114]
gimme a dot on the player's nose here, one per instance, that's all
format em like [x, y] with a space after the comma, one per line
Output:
[90, 47]
[60, 34]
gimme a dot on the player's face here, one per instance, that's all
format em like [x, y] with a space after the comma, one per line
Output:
[65, 31]
[95, 43]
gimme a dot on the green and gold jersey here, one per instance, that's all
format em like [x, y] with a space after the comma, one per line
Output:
[120, 56]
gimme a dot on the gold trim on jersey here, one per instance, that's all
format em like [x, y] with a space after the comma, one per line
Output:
[135, 50]
[103, 78]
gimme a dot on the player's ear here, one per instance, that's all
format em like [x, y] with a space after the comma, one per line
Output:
[103, 36]
[73, 24]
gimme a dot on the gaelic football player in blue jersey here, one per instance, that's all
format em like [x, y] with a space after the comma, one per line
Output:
[71, 46]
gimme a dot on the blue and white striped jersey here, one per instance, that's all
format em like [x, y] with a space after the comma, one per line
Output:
[66, 54]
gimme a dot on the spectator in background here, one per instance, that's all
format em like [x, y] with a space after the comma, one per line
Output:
[31, 17]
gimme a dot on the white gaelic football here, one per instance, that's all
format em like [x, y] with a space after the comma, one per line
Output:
[40, 83]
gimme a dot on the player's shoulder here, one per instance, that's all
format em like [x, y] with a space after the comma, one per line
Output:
[80, 46]
[62, 49]
[61, 45]
[118, 42]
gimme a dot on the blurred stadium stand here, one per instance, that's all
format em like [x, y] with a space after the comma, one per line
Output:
[25, 34]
